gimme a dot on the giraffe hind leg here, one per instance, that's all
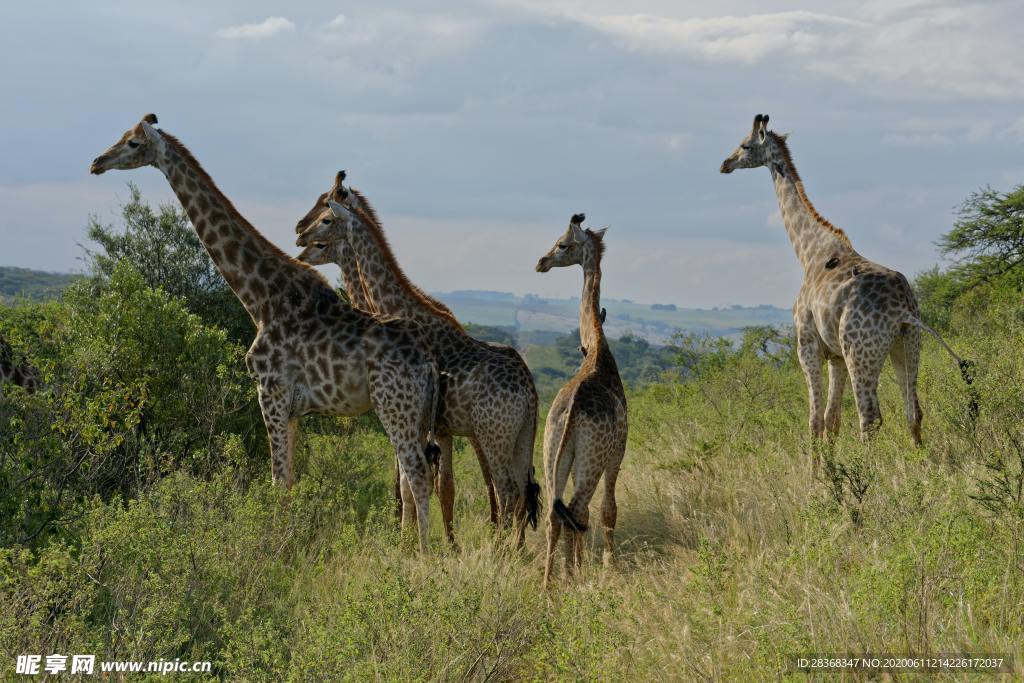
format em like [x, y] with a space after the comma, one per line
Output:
[865, 368]
[906, 356]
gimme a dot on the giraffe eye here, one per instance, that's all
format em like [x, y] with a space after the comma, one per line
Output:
[563, 246]
[133, 144]
[744, 146]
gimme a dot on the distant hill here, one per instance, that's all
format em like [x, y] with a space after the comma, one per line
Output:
[654, 323]
[32, 284]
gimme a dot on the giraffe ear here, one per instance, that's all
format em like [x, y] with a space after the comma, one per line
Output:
[337, 209]
[600, 233]
[152, 134]
[762, 132]
[577, 232]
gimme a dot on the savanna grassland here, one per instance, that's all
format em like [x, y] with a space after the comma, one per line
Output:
[139, 521]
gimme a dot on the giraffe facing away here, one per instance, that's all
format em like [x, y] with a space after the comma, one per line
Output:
[850, 311]
[585, 433]
[313, 353]
[17, 371]
[488, 390]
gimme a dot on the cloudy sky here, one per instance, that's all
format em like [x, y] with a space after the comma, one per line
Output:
[477, 128]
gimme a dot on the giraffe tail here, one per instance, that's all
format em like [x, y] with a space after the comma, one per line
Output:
[435, 387]
[966, 366]
[558, 506]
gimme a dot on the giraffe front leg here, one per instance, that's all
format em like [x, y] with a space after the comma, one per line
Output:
[554, 531]
[281, 428]
[407, 504]
[837, 376]
[809, 352]
[416, 473]
[485, 470]
[445, 486]
[399, 498]
[609, 514]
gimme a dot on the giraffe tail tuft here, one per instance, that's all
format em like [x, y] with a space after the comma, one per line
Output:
[966, 368]
[532, 501]
[566, 515]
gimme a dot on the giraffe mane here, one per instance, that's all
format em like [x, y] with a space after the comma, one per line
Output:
[595, 299]
[369, 216]
[189, 159]
[780, 142]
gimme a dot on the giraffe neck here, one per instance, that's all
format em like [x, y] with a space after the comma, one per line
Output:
[388, 289]
[814, 239]
[252, 266]
[591, 330]
[353, 280]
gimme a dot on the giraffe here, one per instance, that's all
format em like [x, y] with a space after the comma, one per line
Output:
[850, 311]
[16, 371]
[489, 394]
[586, 428]
[313, 353]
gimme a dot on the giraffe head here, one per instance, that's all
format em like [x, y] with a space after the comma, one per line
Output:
[754, 150]
[326, 237]
[322, 253]
[141, 145]
[328, 225]
[338, 194]
[576, 245]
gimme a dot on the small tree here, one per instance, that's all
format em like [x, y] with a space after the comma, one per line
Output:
[987, 237]
[162, 246]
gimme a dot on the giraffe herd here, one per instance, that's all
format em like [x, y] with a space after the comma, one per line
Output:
[391, 348]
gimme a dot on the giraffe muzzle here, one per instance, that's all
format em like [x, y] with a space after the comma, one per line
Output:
[97, 166]
[543, 266]
[726, 167]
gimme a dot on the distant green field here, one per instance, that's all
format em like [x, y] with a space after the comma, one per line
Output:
[657, 325]
[32, 284]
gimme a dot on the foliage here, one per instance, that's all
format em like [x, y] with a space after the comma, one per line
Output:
[137, 520]
[138, 387]
[164, 248]
[493, 333]
[987, 244]
[988, 237]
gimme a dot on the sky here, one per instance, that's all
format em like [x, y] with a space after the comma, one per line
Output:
[477, 128]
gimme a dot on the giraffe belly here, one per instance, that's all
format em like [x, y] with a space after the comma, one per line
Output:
[343, 394]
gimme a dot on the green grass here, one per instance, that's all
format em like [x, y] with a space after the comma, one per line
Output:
[732, 555]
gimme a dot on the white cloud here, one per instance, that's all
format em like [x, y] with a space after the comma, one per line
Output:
[743, 39]
[1016, 129]
[338, 21]
[921, 132]
[268, 27]
[929, 46]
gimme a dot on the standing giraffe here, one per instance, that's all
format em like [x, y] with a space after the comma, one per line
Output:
[586, 429]
[850, 311]
[16, 371]
[313, 353]
[489, 394]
